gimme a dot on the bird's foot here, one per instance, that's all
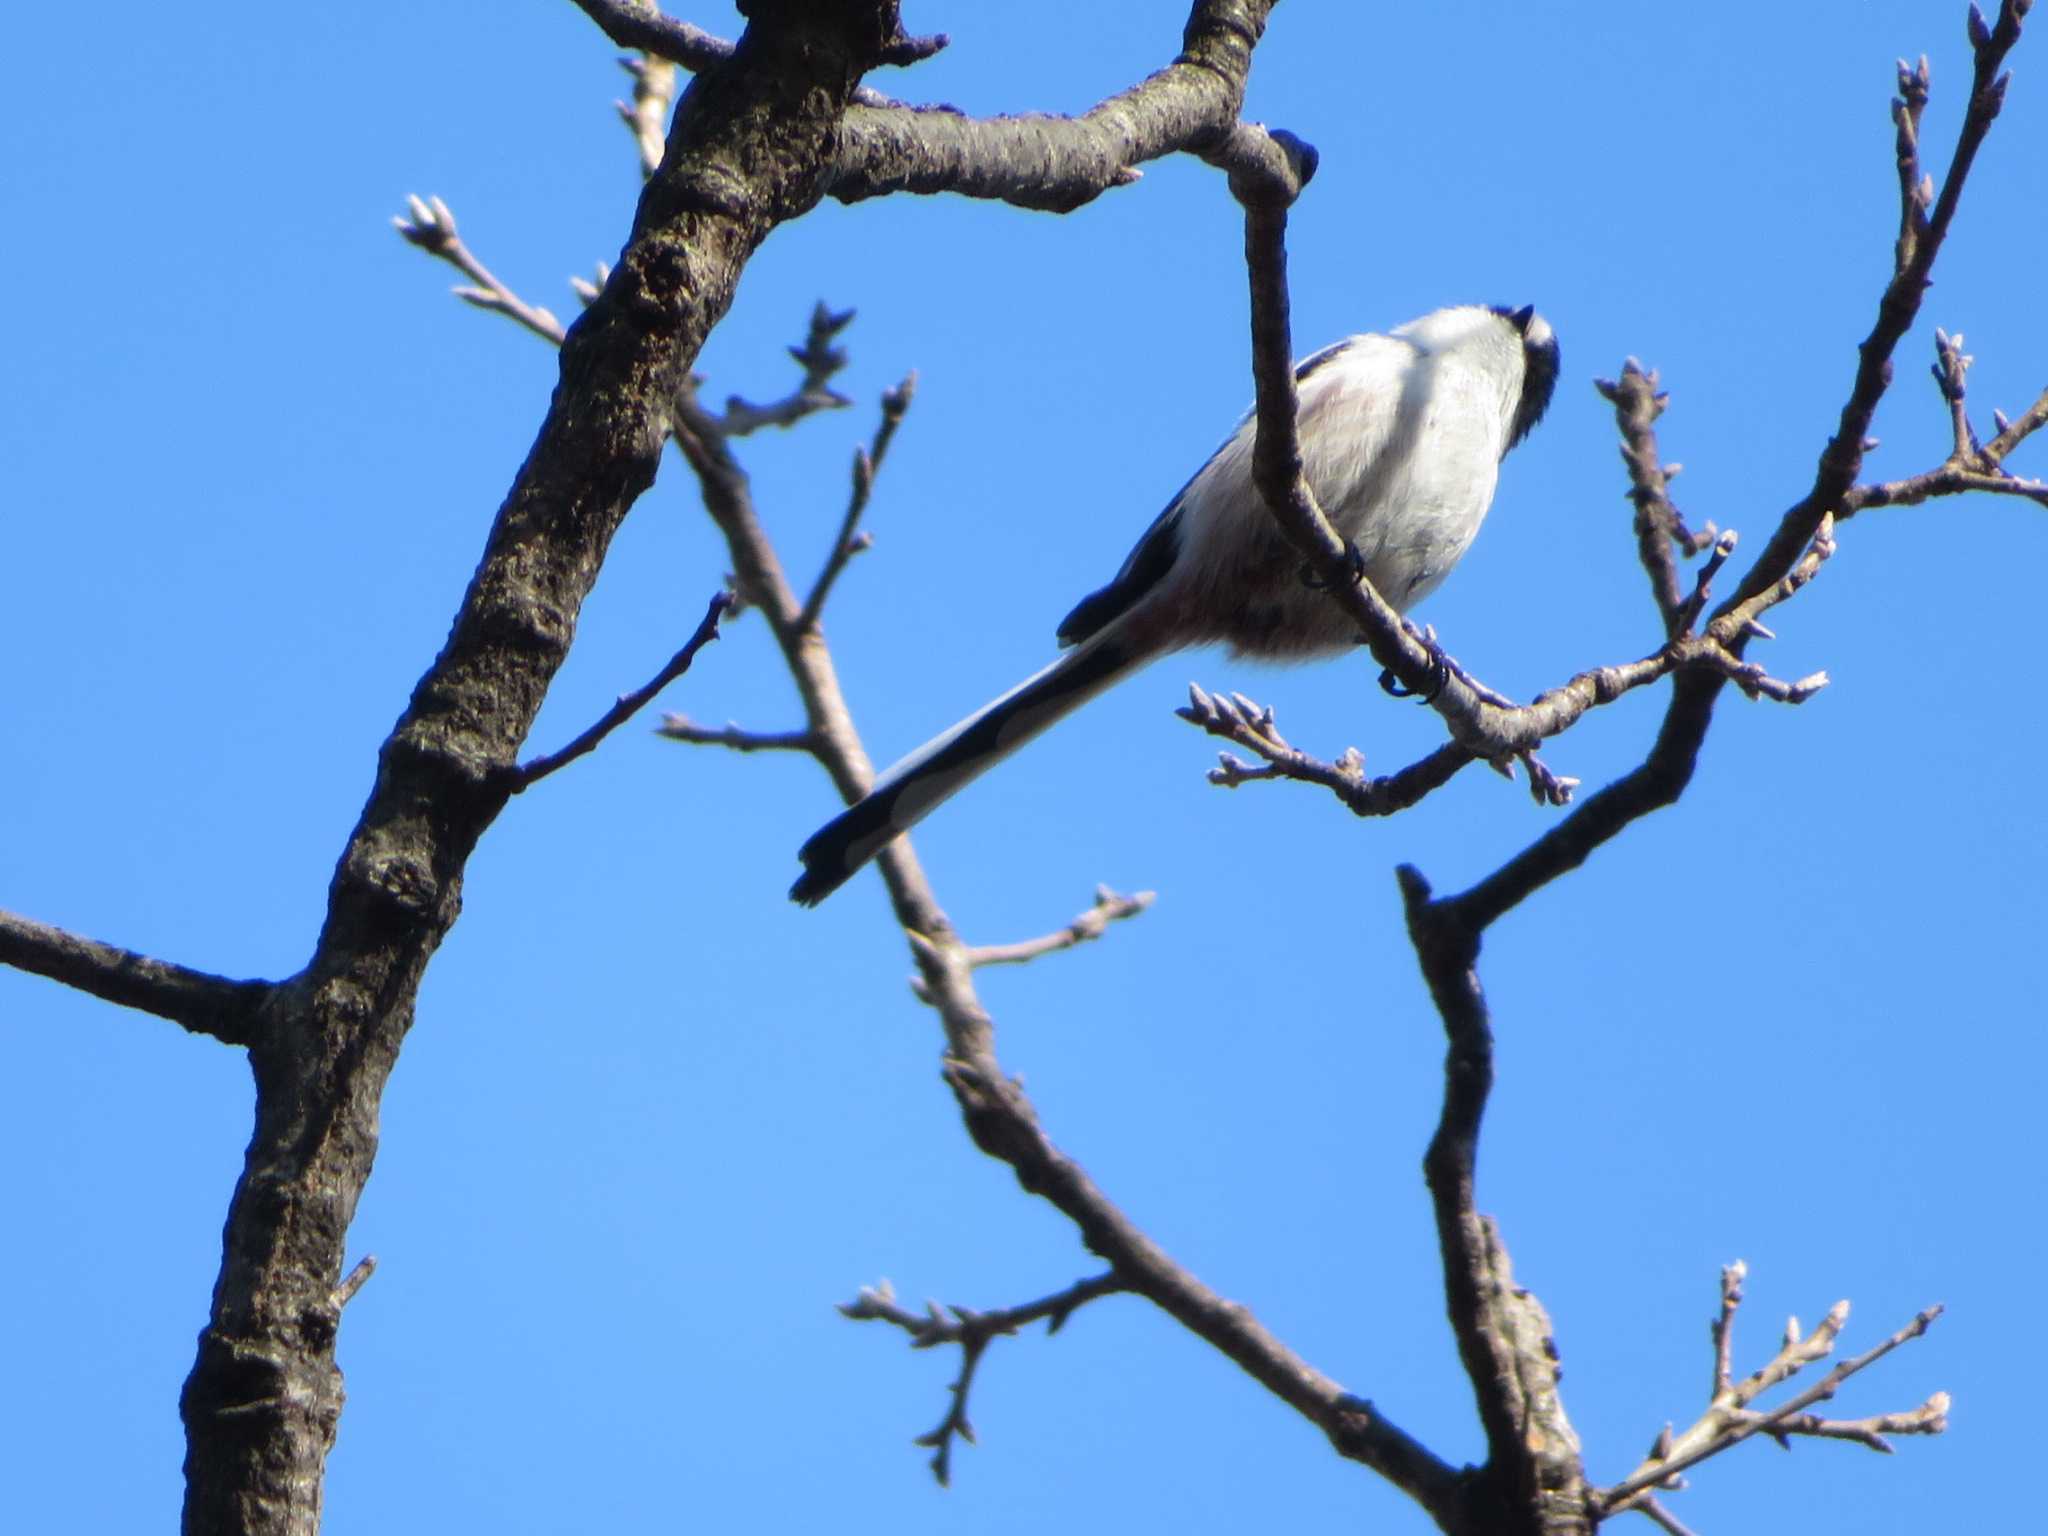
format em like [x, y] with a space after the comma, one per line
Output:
[1440, 669]
[1354, 562]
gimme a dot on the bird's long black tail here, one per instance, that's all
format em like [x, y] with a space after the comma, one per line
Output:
[944, 766]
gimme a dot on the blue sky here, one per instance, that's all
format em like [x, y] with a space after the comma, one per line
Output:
[653, 1122]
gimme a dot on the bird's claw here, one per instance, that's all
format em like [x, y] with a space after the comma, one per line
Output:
[1354, 562]
[1439, 671]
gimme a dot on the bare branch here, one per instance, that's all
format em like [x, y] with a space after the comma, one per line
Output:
[354, 1280]
[1732, 1276]
[1504, 1336]
[432, 229]
[1109, 908]
[867, 463]
[972, 1331]
[1637, 405]
[264, 1398]
[1732, 623]
[527, 774]
[654, 90]
[1970, 466]
[2012, 433]
[1920, 242]
[1729, 1419]
[1251, 725]
[1700, 663]
[818, 358]
[998, 1115]
[1036, 160]
[1948, 480]
[205, 1004]
[683, 728]
[640, 24]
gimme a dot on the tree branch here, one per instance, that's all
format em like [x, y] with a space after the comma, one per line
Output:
[654, 92]
[527, 774]
[1729, 1420]
[1637, 405]
[432, 229]
[1920, 240]
[1109, 908]
[640, 24]
[1533, 1466]
[1970, 466]
[683, 728]
[206, 1005]
[867, 463]
[972, 1331]
[745, 154]
[1252, 726]
[999, 1117]
[1060, 163]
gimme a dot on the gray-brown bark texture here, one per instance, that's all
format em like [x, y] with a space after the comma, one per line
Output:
[748, 149]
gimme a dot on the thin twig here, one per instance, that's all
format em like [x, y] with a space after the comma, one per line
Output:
[818, 358]
[1970, 466]
[1637, 404]
[1109, 908]
[432, 229]
[654, 90]
[1920, 240]
[1732, 1276]
[867, 463]
[1251, 725]
[355, 1280]
[1729, 1420]
[972, 1331]
[683, 728]
[527, 774]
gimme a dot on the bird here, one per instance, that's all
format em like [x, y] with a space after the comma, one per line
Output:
[1402, 437]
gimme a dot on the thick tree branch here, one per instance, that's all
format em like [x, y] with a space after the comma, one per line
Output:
[642, 27]
[745, 153]
[640, 24]
[1060, 163]
[207, 1005]
[1533, 1470]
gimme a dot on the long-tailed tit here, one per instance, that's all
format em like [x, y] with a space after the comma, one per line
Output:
[1401, 439]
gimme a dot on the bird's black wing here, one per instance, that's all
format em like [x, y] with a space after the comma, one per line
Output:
[1141, 571]
[1155, 552]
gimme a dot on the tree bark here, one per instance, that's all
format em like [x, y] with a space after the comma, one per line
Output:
[749, 148]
